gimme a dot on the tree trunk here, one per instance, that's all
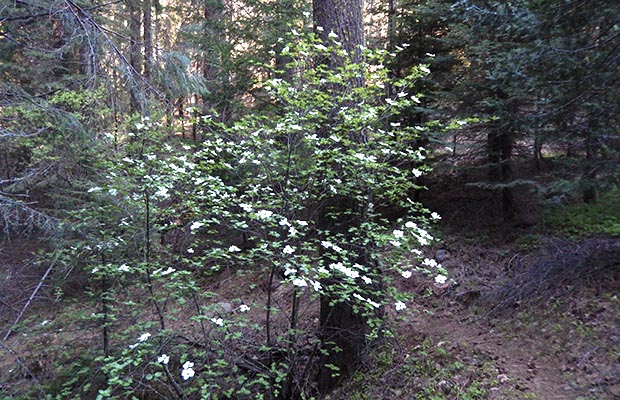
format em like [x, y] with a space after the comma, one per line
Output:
[344, 18]
[213, 62]
[590, 194]
[538, 156]
[343, 331]
[499, 148]
[148, 37]
[135, 54]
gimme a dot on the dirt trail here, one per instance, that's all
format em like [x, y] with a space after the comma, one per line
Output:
[559, 342]
[520, 358]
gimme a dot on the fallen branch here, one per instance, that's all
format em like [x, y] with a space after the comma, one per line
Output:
[34, 293]
[19, 362]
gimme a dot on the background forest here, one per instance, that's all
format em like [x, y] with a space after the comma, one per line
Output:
[240, 199]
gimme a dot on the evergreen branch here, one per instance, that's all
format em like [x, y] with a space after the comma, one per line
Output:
[5, 133]
[597, 44]
[82, 15]
[17, 215]
[52, 12]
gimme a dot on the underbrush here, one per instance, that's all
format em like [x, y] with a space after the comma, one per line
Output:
[562, 268]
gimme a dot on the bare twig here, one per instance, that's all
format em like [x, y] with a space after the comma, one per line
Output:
[5, 133]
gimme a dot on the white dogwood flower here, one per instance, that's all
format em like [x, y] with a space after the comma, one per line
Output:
[196, 225]
[264, 214]
[188, 370]
[299, 282]
[163, 359]
[144, 337]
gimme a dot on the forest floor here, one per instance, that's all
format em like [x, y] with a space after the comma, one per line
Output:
[483, 337]
[528, 314]
[532, 310]
[494, 334]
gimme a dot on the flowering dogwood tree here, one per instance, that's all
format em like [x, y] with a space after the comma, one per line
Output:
[253, 198]
[270, 176]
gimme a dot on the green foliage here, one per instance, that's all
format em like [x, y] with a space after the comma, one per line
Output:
[231, 44]
[528, 242]
[588, 219]
[47, 146]
[174, 79]
[288, 187]
[538, 74]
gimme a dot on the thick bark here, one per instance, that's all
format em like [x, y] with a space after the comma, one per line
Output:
[135, 53]
[148, 37]
[343, 331]
[344, 18]
[344, 337]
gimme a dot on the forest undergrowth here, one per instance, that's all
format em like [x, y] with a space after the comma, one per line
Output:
[226, 199]
[528, 313]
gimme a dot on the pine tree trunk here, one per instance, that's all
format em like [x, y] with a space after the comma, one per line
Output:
[343, 332]
[148, 37]
[212, 63]
[344, 18]
[135, 54]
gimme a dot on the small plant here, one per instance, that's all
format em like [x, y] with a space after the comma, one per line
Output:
[429, 370]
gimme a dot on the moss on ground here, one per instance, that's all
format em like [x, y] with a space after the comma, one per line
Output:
[587, 219]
